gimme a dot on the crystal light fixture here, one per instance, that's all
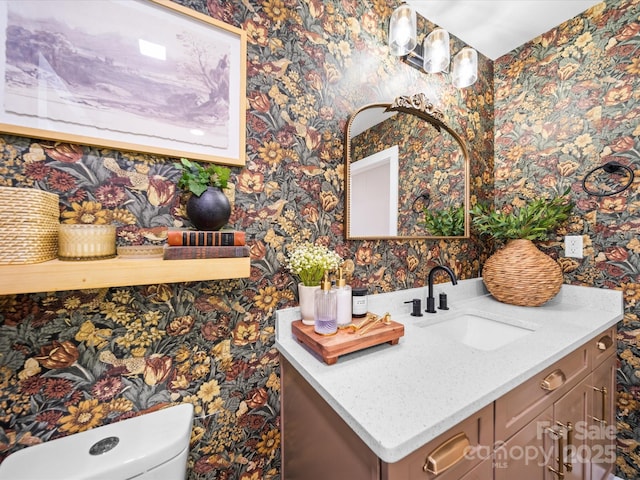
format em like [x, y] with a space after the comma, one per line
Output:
[433, 55]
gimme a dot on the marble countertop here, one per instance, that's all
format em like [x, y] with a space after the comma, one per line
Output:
[397, 398]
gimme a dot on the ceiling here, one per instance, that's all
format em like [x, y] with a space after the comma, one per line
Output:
[496, 27]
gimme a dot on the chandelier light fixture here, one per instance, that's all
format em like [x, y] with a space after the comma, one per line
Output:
[433, 55]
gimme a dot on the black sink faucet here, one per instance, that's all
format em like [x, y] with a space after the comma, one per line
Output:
[431, 307]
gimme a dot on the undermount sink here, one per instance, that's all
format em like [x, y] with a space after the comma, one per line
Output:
[480, 331]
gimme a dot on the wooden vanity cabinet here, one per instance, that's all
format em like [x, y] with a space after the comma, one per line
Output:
[564, 430]
[602, 432]
[522, 435]
[318, 445]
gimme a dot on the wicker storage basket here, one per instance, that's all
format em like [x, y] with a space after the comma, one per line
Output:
[520, 274]
[29, 222]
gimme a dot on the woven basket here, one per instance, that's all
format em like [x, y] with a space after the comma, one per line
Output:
[520, 274]
[29, 201]
[29, 222]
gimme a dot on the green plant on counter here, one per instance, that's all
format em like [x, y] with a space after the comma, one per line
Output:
[309, 262]
[533, 221]
[445, 223]
[195, 178]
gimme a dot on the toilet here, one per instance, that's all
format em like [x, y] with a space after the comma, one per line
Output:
[153, 446]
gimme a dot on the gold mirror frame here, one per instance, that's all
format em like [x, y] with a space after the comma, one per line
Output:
[419, 106]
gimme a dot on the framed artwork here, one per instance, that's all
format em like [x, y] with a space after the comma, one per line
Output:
[147, 76]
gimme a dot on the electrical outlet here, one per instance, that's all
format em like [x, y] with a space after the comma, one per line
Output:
[573, 246]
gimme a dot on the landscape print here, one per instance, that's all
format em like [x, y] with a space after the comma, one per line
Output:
[107, 68]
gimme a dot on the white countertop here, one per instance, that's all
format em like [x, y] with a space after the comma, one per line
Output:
[397, 398]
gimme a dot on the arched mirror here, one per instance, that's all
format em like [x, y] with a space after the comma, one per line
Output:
[406, 173]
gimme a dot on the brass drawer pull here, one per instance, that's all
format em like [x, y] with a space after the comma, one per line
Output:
[554, 380]
[603, 419]
[447, 454]
[569, 429]
[559, 470]
[604, 343]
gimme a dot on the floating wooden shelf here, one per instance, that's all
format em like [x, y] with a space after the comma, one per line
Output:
[56, 275]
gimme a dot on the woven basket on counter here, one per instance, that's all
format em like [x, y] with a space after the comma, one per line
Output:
[29, 222]
[520, 274]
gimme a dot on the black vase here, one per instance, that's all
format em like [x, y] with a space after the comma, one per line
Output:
[209, 211]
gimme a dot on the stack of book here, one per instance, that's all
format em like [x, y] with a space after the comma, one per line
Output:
[188, 244]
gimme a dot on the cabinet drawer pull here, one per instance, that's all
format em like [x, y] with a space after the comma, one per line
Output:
[569, 429]
[554, 380]
[559, 470]
[447, 454]
[603, 418]
[604, 343]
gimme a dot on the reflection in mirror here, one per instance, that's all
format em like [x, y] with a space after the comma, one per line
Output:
[406, 173]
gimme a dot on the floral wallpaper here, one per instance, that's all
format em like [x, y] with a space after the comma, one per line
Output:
[73, 360]
[431, 162]
[566, 103]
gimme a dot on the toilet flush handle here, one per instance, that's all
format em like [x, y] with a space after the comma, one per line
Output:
[103, 446]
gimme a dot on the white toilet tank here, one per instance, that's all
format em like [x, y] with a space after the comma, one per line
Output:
[153, 446]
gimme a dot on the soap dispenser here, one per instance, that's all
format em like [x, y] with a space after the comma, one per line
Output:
[326, 311]
[343, 299]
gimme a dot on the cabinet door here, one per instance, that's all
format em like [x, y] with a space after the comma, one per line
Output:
[484, 471]
[601, 430]
[528, 453]
[316, 443]
[572, 450]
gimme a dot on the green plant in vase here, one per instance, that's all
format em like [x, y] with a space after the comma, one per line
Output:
[309, 262]
[533, 221]
[519, 273]
[208, 208]
[196, 179]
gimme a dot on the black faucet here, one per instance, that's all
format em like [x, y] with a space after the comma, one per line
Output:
[431, 307]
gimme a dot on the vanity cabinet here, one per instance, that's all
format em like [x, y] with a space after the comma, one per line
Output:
[318, 445]
[555, 425]
[603, 409]
[563, 429]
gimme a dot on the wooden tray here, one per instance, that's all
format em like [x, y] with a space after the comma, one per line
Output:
[330, 347]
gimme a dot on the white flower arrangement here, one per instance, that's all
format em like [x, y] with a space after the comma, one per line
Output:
[309, 262]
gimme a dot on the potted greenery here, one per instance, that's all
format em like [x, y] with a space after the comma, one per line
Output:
[519, 273]
[208, 208]
[445, 223]
[309, 262]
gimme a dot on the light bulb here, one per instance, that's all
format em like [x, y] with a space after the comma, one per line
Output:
[402, 30]
[435, 51]
[465, 68]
